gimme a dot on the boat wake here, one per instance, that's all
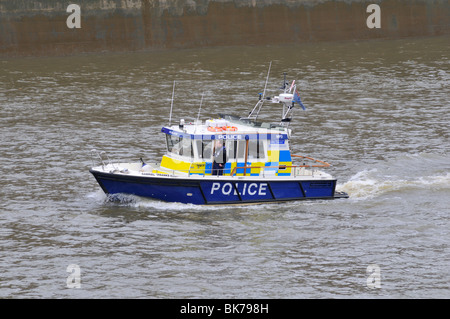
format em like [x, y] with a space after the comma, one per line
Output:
[138, 202]
[407, 174]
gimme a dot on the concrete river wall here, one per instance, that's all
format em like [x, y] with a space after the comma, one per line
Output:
[49, 27]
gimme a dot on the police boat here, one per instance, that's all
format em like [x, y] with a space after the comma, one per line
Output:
[226, 160]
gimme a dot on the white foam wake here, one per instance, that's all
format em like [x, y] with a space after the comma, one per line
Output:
[157, 205]
[370, 183]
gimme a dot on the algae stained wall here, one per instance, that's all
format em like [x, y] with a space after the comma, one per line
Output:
[39, 27]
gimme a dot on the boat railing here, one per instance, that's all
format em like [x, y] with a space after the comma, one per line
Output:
[101, 155]
[322, 163]
[298, 170]
[265, 171]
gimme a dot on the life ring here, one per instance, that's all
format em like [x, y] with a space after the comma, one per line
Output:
[214, 129]
[229, 128]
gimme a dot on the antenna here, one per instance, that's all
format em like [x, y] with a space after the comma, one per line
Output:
[267, 80]
[260, 102]
[200, 108]
[171, 104]
[198, 115]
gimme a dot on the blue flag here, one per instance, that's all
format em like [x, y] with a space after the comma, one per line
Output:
[297, 99]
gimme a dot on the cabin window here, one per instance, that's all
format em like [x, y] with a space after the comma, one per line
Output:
[186, 148]
[256, 149]
[240, 150]
[170, 143]
[231, 146]
[179, 146]
[235, 149]
[204, 149]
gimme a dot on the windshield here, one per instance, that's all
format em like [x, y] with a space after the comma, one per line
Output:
[179, 146]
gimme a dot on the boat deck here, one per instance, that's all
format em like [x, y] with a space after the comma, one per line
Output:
[155, 170]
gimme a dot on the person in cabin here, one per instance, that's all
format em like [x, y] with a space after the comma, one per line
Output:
[220, 158]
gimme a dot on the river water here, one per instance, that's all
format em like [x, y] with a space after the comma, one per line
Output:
[377, 111]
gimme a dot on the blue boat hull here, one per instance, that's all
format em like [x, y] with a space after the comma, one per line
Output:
[213, 192]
